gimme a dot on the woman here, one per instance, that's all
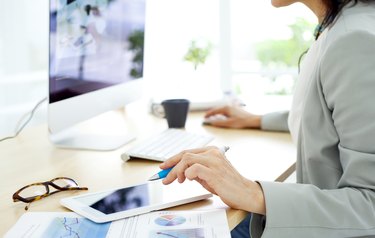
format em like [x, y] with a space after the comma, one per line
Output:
[332, 121]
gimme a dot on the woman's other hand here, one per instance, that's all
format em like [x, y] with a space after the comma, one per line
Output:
[232, 117]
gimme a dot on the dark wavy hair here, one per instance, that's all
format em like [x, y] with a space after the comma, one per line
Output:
[334, 8]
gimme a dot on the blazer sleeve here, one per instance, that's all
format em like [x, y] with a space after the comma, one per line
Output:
[347, 77]
[275, 121]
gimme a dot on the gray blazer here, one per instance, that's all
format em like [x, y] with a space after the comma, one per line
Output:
[335, 191]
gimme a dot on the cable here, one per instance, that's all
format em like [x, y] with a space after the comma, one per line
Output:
[20, 127]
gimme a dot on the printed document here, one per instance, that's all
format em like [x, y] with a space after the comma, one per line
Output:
[160, 224]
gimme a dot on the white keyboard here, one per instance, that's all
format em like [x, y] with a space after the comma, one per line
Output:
[166, 144]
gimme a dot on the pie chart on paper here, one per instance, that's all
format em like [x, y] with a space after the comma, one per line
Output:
[170, 220]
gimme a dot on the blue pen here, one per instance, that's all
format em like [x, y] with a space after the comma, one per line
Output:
[162, 174]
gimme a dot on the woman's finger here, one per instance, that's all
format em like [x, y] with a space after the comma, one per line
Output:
[209, 158]
[218, 110]
[188, 160]
[176, 158]
[198, 172]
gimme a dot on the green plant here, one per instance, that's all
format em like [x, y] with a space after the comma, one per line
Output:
[198, 54]
[136, 44]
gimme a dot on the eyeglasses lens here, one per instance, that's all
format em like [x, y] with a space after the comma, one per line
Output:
[33, 191]
[65, 183]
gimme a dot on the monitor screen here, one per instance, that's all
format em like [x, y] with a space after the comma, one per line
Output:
[94, 44]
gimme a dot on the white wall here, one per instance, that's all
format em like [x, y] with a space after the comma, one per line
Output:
[24, 35]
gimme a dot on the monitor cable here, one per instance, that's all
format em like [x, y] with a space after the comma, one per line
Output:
[20, 126]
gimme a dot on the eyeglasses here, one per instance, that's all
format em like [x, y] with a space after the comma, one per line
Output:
[36, 191]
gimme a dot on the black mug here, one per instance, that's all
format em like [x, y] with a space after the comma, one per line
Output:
[175, 111]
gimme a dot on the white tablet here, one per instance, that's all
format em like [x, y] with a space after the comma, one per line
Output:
[124, 202]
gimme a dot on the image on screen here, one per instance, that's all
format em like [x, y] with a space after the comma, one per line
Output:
[94, 44]
[123, 199]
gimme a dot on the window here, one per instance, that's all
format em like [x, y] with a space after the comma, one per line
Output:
[266, 45]
[182, 40]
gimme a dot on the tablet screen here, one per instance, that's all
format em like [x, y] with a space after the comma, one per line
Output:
[143, 195]
[124, 199]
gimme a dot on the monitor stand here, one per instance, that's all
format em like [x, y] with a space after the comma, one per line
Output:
[103, 133]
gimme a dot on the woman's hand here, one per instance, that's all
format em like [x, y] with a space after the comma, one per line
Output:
[233, 117]
[213, 171]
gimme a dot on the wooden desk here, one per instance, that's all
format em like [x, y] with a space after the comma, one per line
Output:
[32, 158]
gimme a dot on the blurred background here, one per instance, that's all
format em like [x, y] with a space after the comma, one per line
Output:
[246, 47]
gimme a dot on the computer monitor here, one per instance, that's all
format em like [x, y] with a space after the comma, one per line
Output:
[96, 65]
